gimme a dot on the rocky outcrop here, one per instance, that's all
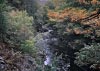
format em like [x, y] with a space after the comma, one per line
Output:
[13, 60]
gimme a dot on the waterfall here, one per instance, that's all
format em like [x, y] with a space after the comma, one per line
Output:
[43, 43]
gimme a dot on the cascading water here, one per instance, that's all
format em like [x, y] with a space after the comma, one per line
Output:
[43, 43]
[44, 39]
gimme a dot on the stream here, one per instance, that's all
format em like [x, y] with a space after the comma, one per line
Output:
[43, 44]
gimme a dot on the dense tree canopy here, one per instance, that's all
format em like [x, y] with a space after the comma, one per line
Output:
[69, 28]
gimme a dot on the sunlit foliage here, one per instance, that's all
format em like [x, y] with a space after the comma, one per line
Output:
[20, 29]
[73, 14]
[88, 2]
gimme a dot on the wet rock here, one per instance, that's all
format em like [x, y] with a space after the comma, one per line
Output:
[2, 64]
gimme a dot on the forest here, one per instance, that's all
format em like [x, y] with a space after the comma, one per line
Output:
[49, 35]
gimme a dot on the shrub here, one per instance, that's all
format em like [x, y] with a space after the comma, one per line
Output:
[89, 55]
[19, 27]
[20, 32]
[2, 20]
[28, 46]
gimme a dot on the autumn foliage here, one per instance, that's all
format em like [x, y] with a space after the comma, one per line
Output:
[88, 2]
[76, 15]
[68, 13]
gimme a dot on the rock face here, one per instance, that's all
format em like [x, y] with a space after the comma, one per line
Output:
[2, 64]
[28, 64]
[13, 60]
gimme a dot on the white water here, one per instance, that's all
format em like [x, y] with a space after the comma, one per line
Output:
[42, 43]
